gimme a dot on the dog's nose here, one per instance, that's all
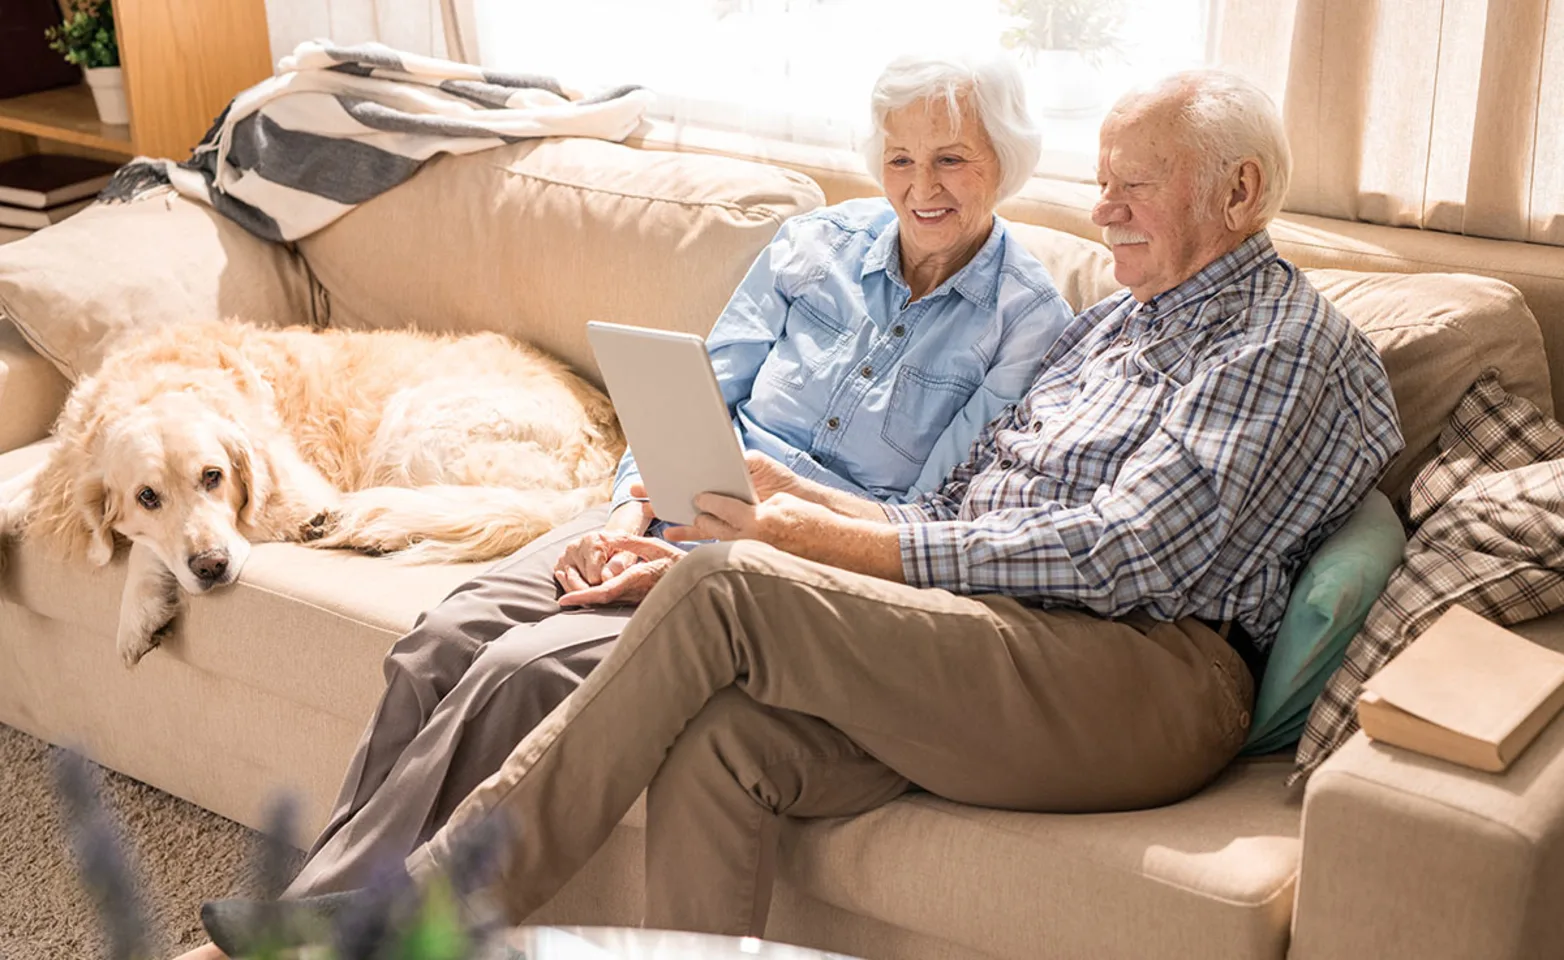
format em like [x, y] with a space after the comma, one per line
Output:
[209, 566]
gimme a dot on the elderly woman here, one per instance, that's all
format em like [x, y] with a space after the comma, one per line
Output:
[867, 347]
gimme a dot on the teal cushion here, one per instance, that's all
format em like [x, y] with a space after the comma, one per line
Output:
[1327, 608]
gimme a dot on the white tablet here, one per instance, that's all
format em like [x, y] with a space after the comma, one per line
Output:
[673, 416]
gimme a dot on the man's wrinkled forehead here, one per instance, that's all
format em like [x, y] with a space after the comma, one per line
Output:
[1142, 138]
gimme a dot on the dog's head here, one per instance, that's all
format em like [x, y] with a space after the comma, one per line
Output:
[172, 474]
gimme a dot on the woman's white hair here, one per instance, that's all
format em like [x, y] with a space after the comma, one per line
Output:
[1231, 120]
[997, 91]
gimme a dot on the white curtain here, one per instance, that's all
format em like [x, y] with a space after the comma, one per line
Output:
[437, 28]
[801, 70]
[1441, 114]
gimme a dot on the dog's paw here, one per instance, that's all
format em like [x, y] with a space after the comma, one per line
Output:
[319, 526]
[133, 645]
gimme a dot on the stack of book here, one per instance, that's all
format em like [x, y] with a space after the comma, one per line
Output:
[43, 189]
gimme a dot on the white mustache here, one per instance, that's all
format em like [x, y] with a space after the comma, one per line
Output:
[1115, 235]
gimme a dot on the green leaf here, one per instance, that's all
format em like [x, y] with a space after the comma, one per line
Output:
[437, 933]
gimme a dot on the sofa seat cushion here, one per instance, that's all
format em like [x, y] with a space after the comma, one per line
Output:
[1211, 877]
[309, 626]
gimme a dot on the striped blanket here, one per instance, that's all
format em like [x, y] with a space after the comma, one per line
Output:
[340, 125]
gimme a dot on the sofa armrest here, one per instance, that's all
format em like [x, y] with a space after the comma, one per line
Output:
[31, 391]
[1405, 856]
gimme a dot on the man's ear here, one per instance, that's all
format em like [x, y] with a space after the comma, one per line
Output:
[1245, 186]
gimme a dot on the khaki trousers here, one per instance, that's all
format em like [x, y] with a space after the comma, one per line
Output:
[463, 688]
[752, 686]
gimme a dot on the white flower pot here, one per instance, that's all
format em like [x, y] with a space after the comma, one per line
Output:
[108, 92]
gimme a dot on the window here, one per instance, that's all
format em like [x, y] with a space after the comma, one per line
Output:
[801, 70]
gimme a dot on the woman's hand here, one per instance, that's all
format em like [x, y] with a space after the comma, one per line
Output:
[650, 559]
[588, 562]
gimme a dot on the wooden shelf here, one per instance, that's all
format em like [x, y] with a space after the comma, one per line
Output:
[65, 114]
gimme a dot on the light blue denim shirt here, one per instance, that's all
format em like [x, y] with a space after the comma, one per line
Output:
[828, 368]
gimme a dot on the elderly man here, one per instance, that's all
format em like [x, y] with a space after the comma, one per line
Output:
[1063, 625]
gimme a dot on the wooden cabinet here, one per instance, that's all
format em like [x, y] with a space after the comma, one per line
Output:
[183, 61]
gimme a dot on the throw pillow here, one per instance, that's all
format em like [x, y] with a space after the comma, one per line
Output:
[118, 268]
[1329, 602]
[1495, 545]
[1491, 431]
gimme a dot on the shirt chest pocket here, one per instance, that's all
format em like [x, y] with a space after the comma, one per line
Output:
[922, 405]
[811, 347]
[1086, 442]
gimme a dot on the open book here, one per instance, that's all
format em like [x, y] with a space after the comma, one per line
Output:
[1467, 690]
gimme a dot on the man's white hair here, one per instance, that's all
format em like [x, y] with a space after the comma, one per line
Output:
[1229, 120]
[998, 93]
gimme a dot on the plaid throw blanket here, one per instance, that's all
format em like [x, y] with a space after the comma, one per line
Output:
[340, 125]
[1493, 542]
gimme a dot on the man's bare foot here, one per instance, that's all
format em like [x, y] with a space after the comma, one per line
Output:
[208, 952]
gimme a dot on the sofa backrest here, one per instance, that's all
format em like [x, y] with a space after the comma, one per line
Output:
[535, 239]
[1436, 332]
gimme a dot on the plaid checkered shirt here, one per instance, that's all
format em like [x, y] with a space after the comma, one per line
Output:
[1181, 456]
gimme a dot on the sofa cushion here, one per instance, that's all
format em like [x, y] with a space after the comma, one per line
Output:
[162, 259]
[1329, 602]
[31, 391]
[1081, 269]
[1211, 877]
[538, 238]
[307, 626]
[1436, 333]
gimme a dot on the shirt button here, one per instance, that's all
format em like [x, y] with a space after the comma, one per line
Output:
[1006, 464]
[867, 372]
[833, 423]
[898, 331]
[1037, 426]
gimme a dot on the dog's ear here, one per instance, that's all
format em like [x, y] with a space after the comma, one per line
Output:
[251, 470]
[98, 513]
[69, 503]
[71, 507]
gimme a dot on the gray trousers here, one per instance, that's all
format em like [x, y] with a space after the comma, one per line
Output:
[468, 684]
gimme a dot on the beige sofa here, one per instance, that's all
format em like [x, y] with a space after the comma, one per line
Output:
[266, 685]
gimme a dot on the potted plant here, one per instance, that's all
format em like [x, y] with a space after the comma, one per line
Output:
[86, 38]
[1065, 43]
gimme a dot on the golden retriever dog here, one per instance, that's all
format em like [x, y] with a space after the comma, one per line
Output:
[195, 441]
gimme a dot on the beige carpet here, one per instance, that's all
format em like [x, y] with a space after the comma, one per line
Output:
[181, 854]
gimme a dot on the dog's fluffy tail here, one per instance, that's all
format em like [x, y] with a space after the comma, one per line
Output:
[448, 523]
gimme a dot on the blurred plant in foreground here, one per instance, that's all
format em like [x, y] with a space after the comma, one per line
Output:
[394, 920]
